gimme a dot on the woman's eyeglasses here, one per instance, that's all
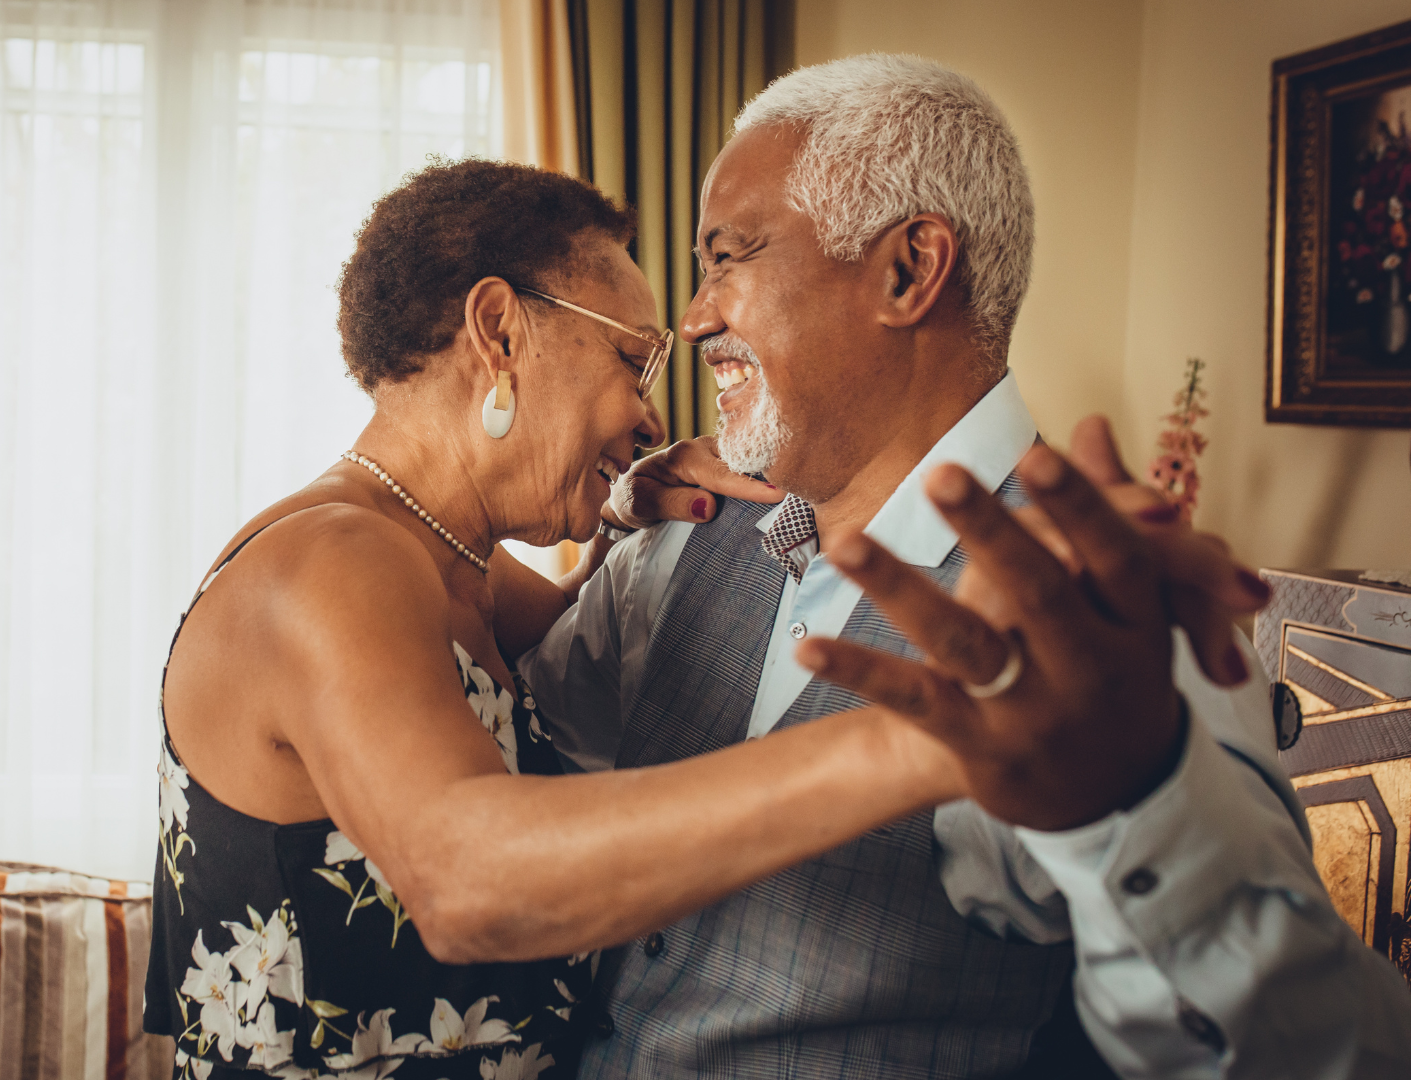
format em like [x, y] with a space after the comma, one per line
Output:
[661, 346]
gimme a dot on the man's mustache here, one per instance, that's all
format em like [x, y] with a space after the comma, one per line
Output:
[728, 346]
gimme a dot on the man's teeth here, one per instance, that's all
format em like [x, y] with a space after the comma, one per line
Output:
[608, 469]
[727, 375]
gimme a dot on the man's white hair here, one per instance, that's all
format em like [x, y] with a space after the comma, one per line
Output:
[890, 136]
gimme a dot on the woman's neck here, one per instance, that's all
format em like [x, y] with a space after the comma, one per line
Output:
[436, 469]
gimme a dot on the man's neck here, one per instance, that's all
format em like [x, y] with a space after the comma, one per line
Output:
[873, 484]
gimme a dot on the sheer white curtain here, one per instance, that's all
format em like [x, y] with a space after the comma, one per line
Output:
[180, 181]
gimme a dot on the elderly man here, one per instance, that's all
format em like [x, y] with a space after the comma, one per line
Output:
[866, 242]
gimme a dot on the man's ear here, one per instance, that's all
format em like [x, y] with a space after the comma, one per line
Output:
[920, 254]
[494, 323]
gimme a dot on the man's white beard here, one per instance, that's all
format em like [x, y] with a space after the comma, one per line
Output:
[750, 442]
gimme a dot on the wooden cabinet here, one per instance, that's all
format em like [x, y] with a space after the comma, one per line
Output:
[1343, 646]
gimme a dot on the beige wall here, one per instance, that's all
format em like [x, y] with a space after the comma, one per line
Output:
[1080, 145]
[1284, 495]
[1145, 127]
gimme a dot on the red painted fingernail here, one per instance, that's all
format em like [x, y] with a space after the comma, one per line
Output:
[1234, 664]
[770, 486]
[1159, 515]
[698, 509]
[1254, 585]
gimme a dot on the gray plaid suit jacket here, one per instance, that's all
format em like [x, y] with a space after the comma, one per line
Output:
[854, 964]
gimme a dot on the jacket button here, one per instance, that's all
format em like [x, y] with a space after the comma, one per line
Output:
[1201, 1027]
[1140, 882]
[603, 1026]
[653, 945]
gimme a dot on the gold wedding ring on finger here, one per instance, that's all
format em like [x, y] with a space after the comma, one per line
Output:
[1007, 677]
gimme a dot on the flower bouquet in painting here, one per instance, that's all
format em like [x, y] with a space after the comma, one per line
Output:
[1370, 233]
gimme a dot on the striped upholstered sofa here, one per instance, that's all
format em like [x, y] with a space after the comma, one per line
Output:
[73, 957]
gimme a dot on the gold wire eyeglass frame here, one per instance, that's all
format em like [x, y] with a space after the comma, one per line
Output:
[661, 346]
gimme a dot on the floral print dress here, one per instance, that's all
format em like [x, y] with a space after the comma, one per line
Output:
[282, 950]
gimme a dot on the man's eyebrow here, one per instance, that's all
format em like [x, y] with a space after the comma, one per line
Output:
[709, 239]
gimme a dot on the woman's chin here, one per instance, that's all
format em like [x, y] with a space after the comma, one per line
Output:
[584, 520]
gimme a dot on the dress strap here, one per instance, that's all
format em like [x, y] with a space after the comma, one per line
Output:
[210, 579]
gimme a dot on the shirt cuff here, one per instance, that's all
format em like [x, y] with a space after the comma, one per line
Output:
[1166, 864]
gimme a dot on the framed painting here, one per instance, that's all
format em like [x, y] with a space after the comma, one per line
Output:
[1339, 340]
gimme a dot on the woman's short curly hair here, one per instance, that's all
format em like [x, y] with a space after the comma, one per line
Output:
[426, 244]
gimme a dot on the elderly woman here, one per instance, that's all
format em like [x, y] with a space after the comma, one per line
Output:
[369, 860]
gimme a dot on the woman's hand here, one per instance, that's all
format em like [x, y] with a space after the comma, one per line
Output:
[680, 484]
[1093, 722]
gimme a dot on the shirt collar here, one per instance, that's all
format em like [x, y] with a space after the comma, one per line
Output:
[988, 441]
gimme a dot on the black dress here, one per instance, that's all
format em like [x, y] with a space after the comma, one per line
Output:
[281, 950]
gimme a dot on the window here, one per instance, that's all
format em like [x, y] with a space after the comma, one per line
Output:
[180, 181]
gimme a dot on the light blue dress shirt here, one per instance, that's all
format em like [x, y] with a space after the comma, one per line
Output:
[1235, 933]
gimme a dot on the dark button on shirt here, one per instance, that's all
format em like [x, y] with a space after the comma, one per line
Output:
[653, 945]
[1140, 881]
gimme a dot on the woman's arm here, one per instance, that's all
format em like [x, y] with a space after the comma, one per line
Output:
[679, 483]
[498, 867]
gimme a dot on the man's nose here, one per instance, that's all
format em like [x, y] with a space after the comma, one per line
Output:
[652, 430]
[702, 318]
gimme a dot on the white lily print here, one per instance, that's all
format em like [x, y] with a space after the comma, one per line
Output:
[173, 808]
[495, 708]
[270, 1049]
[566, 1011]
[451, 1031]
[269, 959]
[375, 1050]
[193, 1068]
[516, 1066]
[171, 802]
[339, 851]
[210, 983]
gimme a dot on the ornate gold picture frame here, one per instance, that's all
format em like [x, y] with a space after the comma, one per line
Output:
[1339, 338]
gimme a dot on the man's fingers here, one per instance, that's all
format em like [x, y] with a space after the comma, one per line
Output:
[1042, 529]
[960, 643]
[1094, 452]
[1211, 631]
[1203, 562]
[1035, 583]
[904, 686]
[1115, 556]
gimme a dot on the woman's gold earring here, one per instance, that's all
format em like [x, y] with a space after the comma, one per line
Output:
[497, 414]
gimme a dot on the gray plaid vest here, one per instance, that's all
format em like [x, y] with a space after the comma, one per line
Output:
[853, 964]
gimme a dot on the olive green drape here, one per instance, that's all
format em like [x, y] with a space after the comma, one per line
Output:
[657, 86]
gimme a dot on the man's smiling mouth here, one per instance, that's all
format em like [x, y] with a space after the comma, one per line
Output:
[730, 373]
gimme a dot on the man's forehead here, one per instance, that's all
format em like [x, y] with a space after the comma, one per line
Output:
[746, 180]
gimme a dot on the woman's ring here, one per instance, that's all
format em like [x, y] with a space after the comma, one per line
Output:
[1007, 677]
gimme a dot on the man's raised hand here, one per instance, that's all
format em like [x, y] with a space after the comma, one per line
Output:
[1093, 723]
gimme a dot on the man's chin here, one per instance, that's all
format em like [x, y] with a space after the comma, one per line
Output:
[746, 451]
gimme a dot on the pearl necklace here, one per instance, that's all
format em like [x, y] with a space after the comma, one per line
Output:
[401, 493]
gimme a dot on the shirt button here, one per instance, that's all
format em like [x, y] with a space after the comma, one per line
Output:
[1140, 881]
[799, 631]
[653, 945]
[1201, 1027]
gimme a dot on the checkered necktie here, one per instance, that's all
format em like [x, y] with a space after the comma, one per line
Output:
[794, 526]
